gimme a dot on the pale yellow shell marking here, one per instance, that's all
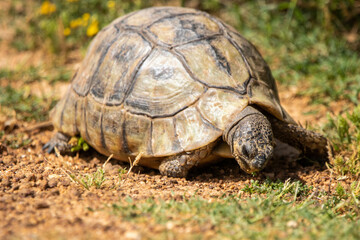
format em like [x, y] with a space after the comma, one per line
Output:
[92, 120]
[202, 59]
[79, 107]
[162, 87]
[264, 96]
[67, 113]
[68, 118]
[112, 121]
[138, 134]
[220, 107]
[193, 132]
[55, 113]
[163, 134]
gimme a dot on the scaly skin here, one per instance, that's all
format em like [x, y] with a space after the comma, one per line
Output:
[251, 140]
[312, 144]
[60, 141]
[180, 164]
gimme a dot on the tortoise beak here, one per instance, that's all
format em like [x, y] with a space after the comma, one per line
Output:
[257, 163]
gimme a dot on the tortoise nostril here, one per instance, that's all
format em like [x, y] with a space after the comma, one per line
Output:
[246, 149]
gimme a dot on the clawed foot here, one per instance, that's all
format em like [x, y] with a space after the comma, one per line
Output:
[60, 141]
[175, 167]
[179, 165]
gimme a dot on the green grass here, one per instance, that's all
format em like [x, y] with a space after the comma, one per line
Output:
[15, 141]
[88, 181]
[344, 132]
[27, 107]
[275, 216]
[78, 144]
[296, 188]
[27, 75]
[95, 179]
[35, 74]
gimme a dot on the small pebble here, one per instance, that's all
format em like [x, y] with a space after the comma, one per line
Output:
[43, 184]
[52, 182]
[292, 224]
[65, 182]
[75, 192]
[42, 205]
[31, 177]
[132, 235]
[26, 192]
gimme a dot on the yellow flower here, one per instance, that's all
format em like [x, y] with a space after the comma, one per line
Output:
[85, 18]
[93, 28]
[111, 4]
[47, 8]
[67, 31]
[76, 23]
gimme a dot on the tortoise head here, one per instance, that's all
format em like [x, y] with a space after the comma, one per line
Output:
[251, 141]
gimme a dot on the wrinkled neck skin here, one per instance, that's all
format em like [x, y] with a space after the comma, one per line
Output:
[251, 140]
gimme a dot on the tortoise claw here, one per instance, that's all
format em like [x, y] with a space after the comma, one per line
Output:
[49, 146]
[60, 141]
[45, 146]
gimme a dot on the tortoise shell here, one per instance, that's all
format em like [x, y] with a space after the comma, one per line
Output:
[162, 81]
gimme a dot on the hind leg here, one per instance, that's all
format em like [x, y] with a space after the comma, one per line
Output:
[180, 164]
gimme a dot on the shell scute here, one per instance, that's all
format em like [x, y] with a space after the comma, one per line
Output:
[177, 30]
[146, 17]
[220, 107]
[97, 50]
[162, 86]
[92, 118]
[165, 141]
[112, 122]
[193, 132]
[115, 73]
[262, 89]
[216, 63]
[137, 134]
[258, 67]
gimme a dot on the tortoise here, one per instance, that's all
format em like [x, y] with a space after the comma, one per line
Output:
[180, 87]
